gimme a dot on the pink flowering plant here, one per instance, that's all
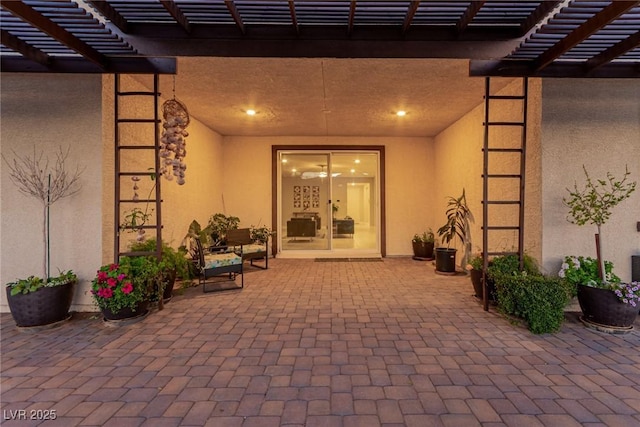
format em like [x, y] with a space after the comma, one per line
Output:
[115, 287]
[628, 293]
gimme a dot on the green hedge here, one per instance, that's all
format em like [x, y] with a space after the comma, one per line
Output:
[537, 299]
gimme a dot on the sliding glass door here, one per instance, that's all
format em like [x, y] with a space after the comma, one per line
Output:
[328, 203]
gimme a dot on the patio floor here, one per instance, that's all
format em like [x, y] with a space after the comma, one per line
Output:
[321, 344]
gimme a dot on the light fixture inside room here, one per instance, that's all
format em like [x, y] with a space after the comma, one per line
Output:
[251, 112]
[401, 113]
[322, 174]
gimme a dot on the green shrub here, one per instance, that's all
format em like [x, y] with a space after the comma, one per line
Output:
[537, 299]
[510, 264]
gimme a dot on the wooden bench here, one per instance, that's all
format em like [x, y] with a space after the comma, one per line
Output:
[240, 242]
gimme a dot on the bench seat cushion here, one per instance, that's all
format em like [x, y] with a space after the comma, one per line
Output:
[221, 260]
[251, 248]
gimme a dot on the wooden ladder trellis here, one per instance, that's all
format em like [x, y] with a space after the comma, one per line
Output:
[494, 147]
[122, 126]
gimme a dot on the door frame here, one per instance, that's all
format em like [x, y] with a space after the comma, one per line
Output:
[274, 183]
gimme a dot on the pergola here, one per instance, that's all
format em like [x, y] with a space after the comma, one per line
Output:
[567, 38]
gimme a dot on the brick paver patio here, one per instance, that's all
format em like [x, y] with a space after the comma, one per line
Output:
[321, 344]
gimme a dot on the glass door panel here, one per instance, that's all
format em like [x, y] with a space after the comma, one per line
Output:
[304, 201]
[355, 216]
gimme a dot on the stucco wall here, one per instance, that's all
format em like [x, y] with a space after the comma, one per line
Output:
[409, 181]
[595, 123]
[197, 199]
[459, 165]
[45, 112]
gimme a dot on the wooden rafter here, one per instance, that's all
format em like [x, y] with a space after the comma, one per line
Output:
[110, 14]
[24, 48]
[468, 15]
[177, 14]
[411, 12]
[35, 18]
[235, 14]
[352, 16]
[294, 18]
[614, 51]
[589, 27]
[538, 15]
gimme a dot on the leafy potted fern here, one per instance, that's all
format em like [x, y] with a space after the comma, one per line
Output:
[39, 301]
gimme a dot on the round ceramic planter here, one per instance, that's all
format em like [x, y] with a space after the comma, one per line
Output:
[45, 306]
[602, 306]
[126, 313]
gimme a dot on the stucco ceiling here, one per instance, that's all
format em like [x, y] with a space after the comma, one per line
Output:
[334, 97]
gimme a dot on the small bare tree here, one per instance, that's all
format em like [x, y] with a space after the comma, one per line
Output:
[34, 176]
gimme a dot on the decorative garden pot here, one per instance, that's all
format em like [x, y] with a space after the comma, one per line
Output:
[45, 306]
[446, 260]
[602, 307]
[422, 250]
[476, 281]
[126, 313]
[169, 279]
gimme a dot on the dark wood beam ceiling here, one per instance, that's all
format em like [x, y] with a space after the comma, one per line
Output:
[35, 18]
[469, 14]
[177, 14]
[608, 55]
[233, 10]
[28, 51]
[590, 26]
[110, 13]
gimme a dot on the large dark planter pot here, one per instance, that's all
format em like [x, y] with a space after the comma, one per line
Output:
[476, 280]
[169, 279]
[602, 307]
[422, 250]
[126, 313]
[45, 306]
[446, 260]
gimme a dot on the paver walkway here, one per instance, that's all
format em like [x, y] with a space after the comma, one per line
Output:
[322, 344]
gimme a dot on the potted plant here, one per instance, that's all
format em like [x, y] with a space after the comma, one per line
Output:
[44, 300]
[598, 300]
[458, 219]
[474, 267]
[218, 225]
[260, 234]
[174, 264]
[122, 291]
[423, 245]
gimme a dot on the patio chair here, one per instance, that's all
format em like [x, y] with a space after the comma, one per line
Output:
[241, 243]
[214, 265]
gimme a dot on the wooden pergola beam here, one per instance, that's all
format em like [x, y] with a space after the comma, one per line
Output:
[411, 12]
[352, 16]
[24, 48]
[468, 15]
[36, 19]
[589, 27]
[294, 18]
[106, 10]
[614, 51]
[543, 9]
[177, 14]
[235, 14]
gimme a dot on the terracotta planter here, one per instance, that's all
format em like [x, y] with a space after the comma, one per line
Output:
[446, 260]
[45, 306]
[602, 306]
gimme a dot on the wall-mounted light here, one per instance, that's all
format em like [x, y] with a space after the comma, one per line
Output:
[401, 113]
[251, 112]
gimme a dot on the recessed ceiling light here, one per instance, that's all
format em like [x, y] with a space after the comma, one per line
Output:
[251, 112]
[353, 171]
[357, 160]
[401, 113]
[284, 160]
